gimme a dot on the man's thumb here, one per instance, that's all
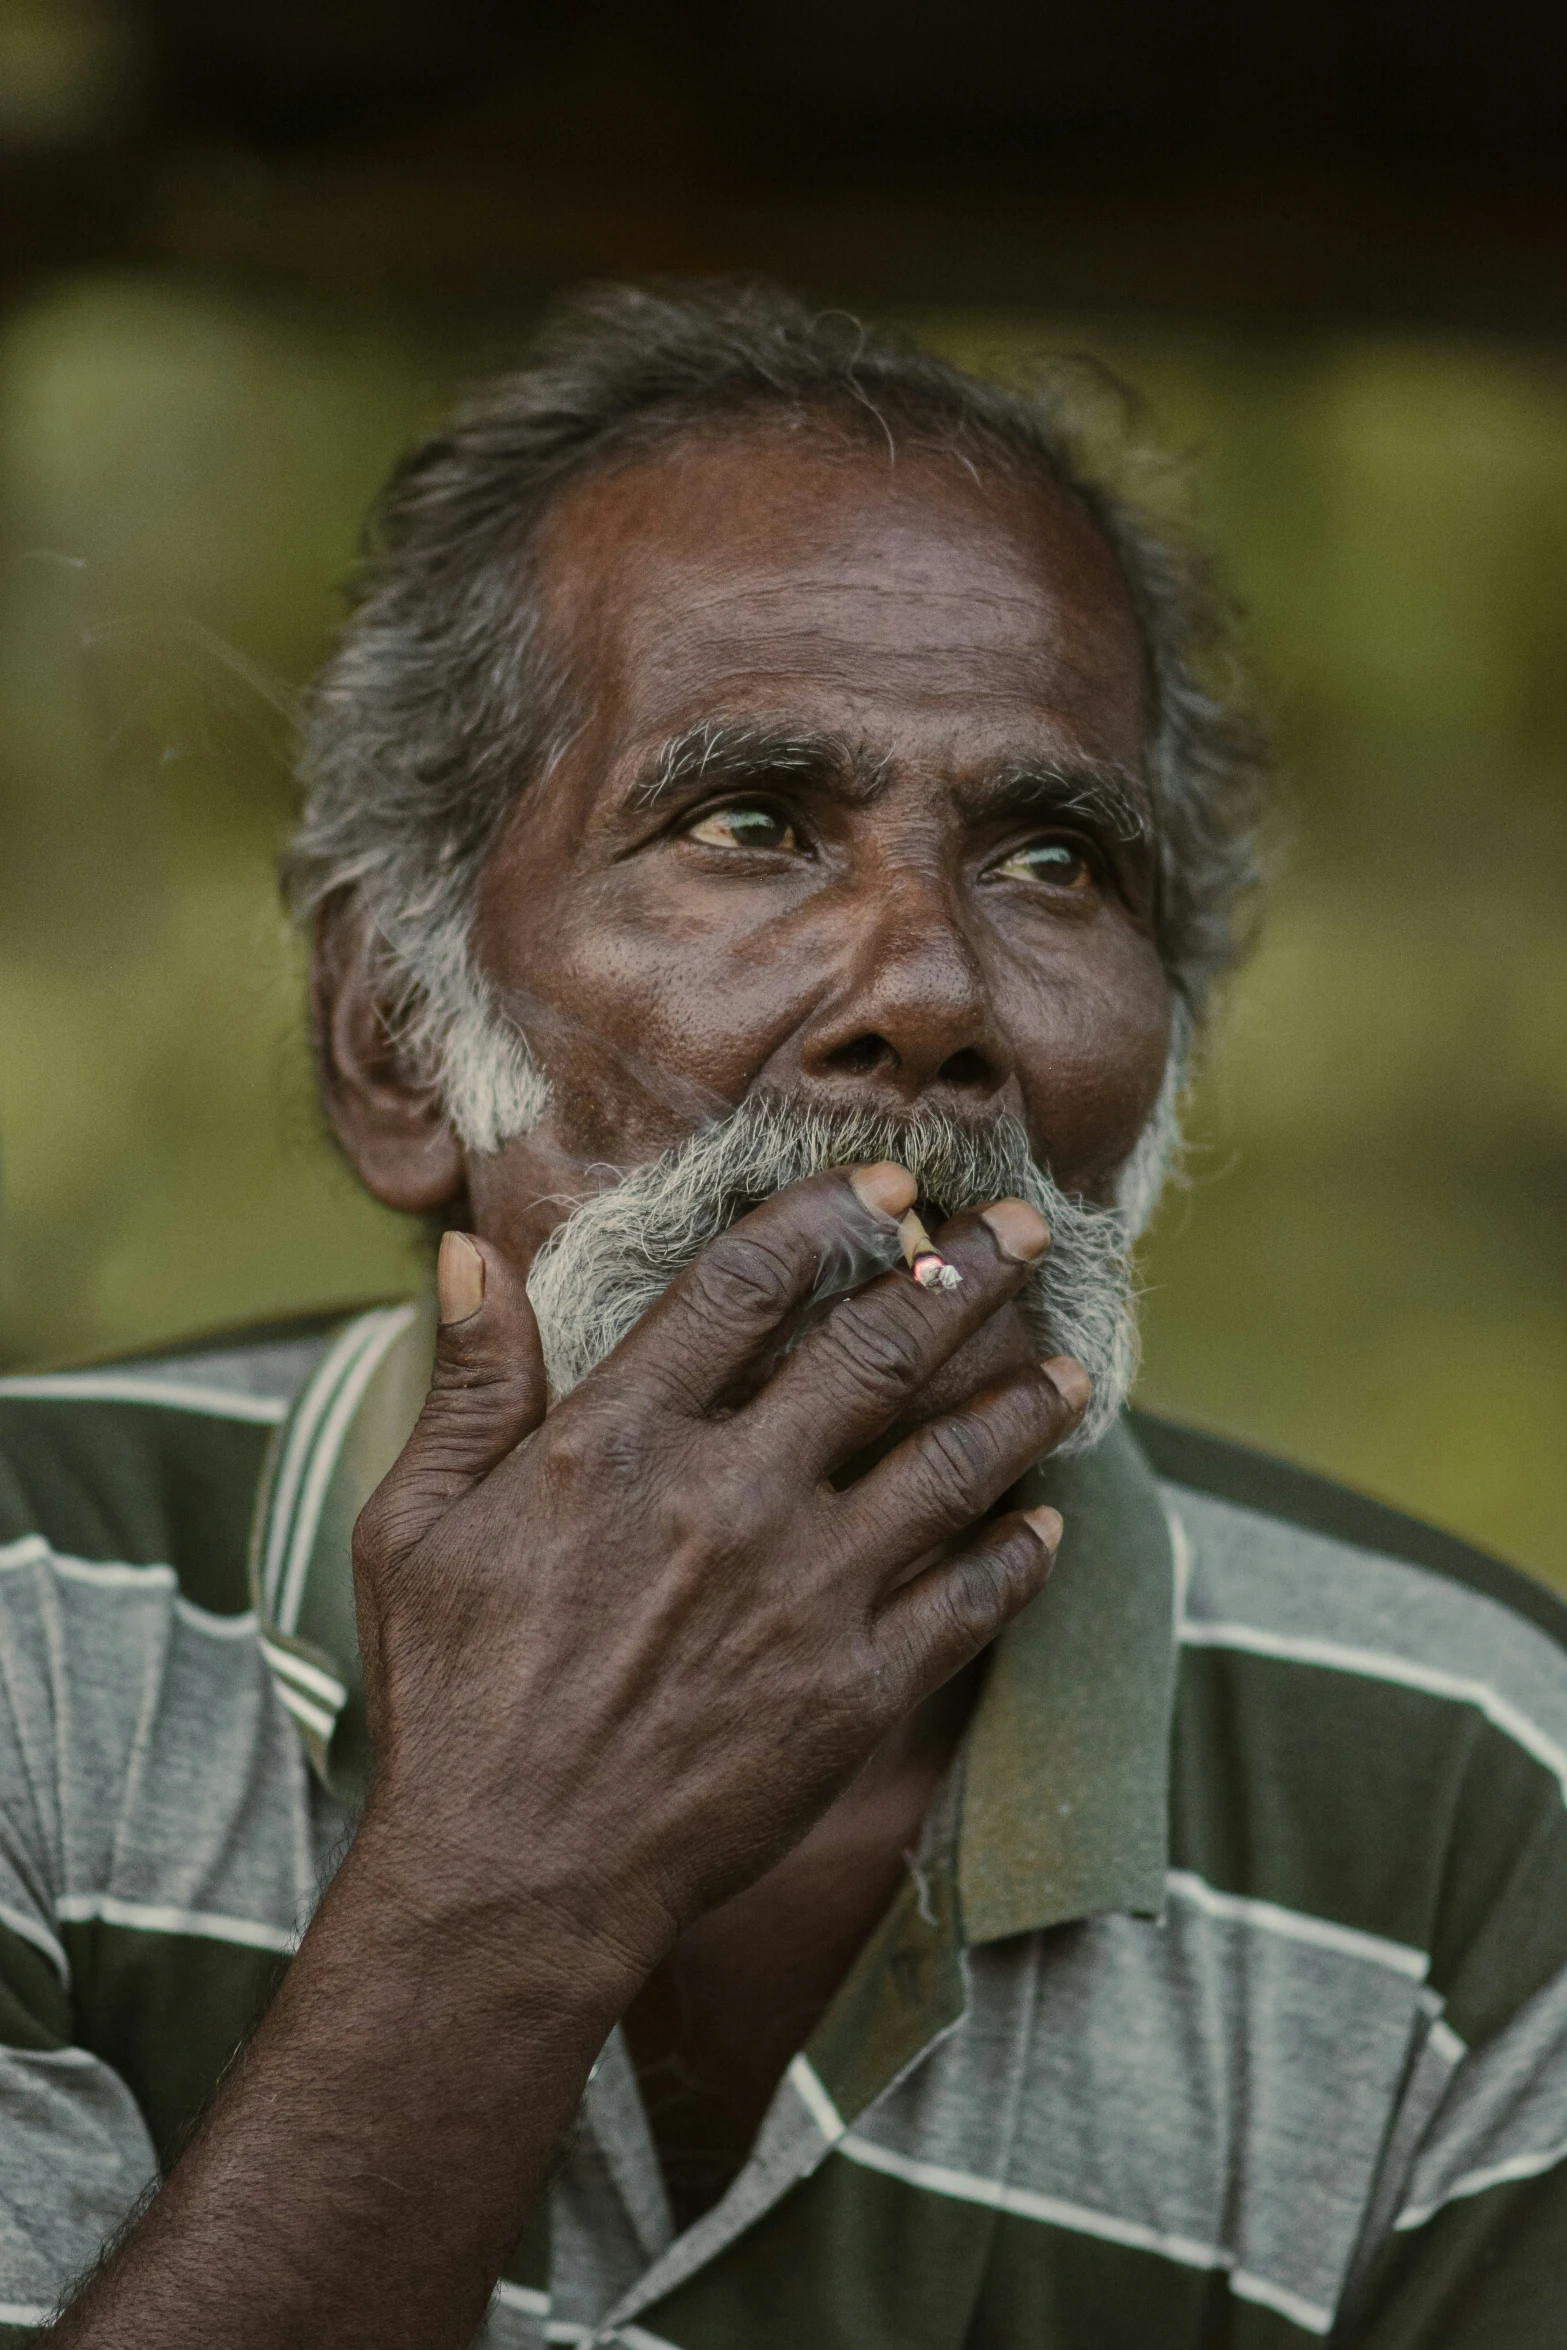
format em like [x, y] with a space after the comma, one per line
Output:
[487, 1390]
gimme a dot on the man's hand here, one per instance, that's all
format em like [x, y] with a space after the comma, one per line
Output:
[619, 1658]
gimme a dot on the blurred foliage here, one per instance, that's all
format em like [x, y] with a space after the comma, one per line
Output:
[1369, 1267]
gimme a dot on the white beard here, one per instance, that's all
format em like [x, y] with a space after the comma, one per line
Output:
[600, 1271]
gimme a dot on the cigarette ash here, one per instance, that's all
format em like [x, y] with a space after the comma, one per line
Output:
[924, 1260]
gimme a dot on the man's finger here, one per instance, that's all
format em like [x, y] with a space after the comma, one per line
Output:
[946, 1475]
[818, 1238]
[487, 1390]
[932, 1627]
[845, 1383]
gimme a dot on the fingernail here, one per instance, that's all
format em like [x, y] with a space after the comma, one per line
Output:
[1047, 1525]
[1071, 1382]
[886, 1186]
[1019, 1231]
[459, 1278]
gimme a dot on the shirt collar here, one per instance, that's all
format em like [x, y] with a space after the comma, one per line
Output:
[1066, 1777]
[1066, 1786]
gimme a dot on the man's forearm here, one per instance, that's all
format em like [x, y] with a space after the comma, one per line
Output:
[371, 2160]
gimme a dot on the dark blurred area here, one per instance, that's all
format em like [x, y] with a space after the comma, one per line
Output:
[1386, 160]
[246, 253]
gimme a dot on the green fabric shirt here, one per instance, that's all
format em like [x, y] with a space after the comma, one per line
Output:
[1224, 2003]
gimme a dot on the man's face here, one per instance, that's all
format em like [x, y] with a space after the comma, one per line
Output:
[840, 821]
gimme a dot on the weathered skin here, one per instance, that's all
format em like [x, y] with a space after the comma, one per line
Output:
[727, 1687]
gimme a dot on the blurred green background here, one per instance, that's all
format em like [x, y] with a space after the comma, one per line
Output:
[1368, 1271]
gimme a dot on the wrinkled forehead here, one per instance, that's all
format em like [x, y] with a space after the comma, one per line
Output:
[903, 597]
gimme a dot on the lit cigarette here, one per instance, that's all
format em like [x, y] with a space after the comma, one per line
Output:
[924, 1260]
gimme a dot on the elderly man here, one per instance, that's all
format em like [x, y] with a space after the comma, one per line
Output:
[766, 788]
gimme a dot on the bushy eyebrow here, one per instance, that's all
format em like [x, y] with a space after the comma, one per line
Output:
[724, 753]
[1099, 792]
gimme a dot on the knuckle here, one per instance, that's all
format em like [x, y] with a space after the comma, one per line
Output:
[742, 1277]
[457, 1376]
[569, 1448]
[974, 1454]
[960, 1455]
[382, 1527]
[369, 1537]
[974, 1598]
[597, 1451]
[737, 1497]
[721, 1521]
[1018, 1564]
[951, 1477]
[876, 1350]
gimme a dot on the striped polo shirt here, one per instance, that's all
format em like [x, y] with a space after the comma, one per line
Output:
[1224, 2002]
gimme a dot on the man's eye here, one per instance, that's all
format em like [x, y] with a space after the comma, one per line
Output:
[1063, 863]
[745, 824]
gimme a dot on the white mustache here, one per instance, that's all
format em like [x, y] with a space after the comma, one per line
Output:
[600, 1270]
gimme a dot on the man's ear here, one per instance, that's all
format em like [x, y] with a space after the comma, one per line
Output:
[387, 1117]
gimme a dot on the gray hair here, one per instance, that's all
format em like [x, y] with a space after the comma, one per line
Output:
[602, 1268]
[443, 703]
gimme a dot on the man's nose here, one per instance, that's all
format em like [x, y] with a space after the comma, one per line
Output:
[910, 1018]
